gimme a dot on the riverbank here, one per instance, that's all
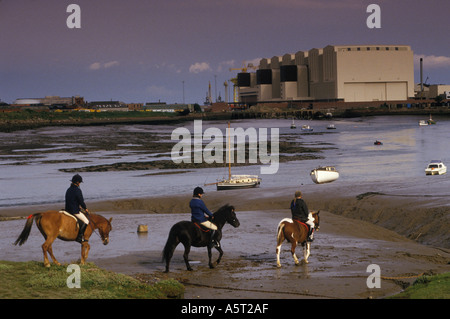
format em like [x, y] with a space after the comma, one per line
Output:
[28, 119]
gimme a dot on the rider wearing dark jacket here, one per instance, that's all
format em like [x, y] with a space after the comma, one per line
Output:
[75, 201]
[198, 212]
[300, 212]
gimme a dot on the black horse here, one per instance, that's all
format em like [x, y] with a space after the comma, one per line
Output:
[190, 234]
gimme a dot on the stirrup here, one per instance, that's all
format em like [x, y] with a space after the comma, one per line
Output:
[214, 244]
[81, 240]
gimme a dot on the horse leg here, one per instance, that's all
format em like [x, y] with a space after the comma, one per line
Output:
[219, 249]
[187, 249]
[50, 251]
[279, 243]
[45, 247]
[280, 240]
[209, 257]
[306, 252]
[293, 246]
[85, 247]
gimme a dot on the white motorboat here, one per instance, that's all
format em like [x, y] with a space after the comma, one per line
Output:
[423, 123]
[324, 174]
[239, 181]
[436, 168]
[331, 127]
[307, 128]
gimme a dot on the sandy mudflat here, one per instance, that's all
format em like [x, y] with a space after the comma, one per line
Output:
[361, 225]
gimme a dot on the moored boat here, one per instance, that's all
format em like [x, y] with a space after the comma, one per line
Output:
[239, 181]
[307, 128]
[236, 181]
[431, 121]
[436, 167]
[293, 125]
[324, 174]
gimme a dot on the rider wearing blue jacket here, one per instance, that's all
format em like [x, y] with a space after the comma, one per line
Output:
[199, 211]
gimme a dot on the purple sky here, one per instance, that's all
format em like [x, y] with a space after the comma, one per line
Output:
[142, 50]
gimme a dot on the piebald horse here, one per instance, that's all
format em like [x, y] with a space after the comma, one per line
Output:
[54, 224]
[296, 233]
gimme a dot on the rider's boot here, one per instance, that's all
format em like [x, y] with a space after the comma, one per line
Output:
[80, 237]
[310, 234]
[213, 243]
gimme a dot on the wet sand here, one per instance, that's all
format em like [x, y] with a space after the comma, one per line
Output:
[406, 236]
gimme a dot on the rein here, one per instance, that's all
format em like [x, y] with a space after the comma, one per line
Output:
[92, 227]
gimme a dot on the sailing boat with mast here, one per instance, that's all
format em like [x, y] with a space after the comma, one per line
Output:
[236, 181]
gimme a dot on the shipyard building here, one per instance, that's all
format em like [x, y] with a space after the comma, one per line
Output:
[352, 73]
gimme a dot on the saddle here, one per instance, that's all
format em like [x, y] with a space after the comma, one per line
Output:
[302, 223]
[70, 215]
[202, 228]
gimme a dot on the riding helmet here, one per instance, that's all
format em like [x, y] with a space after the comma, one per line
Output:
[198, 190]
[77, 179]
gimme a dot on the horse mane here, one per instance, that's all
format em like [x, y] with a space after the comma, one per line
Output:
[223, 209]
[98, 217]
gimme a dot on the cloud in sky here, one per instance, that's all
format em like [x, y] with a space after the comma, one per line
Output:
[432, 61]
[199, 67]
[98, 65]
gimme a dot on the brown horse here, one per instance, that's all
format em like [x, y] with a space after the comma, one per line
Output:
[53, 224]
[295, 233]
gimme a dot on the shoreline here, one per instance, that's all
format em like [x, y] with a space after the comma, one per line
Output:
[15, 125]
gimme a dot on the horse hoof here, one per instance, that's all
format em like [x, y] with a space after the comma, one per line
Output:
[47, 265]
[279, 266]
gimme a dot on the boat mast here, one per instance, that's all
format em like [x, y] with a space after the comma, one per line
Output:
[229, 153]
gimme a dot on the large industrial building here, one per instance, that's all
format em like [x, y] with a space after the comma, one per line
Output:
[351, 73]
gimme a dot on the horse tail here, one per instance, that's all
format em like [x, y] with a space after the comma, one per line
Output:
[172, 242]
[280, 230]
[26, 230]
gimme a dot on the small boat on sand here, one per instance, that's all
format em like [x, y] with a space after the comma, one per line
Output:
[324, 174]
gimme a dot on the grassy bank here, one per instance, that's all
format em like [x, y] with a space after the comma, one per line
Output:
[428, 287]
[31, 280]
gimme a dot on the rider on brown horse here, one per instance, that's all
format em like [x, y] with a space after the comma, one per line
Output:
[75, 201]
[300, 212]
[198, 212]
